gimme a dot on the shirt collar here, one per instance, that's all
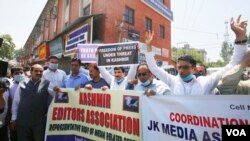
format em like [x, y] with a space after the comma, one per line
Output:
[78, 75]
[35, 82]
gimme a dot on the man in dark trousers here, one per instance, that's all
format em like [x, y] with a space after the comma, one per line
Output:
[30, 105]
[4, 95]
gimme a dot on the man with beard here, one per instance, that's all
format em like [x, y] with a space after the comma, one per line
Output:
[96, 82]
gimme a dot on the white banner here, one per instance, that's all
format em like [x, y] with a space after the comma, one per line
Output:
[196, 118]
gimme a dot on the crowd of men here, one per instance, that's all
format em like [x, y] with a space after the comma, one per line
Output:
[25, 101]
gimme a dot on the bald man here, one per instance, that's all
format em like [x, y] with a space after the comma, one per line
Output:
[30, 105]
[148, 83]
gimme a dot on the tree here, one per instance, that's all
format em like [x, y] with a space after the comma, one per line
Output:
[18, 54]
[226, 51]
[218, 63]
[7, 49]
[176, 53]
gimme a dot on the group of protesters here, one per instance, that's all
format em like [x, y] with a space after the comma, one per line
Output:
[25, 100]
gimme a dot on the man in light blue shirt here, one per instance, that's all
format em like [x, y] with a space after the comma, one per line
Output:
[75, 79]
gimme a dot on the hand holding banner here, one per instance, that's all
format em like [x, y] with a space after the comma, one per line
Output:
[95, 115]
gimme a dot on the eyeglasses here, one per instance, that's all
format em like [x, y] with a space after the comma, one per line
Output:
[183, 67]
[141, 74]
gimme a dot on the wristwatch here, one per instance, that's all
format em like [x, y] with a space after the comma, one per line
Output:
[241, 41]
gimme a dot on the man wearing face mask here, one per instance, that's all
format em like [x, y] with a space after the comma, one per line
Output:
[148, 83]
[53, 74]
[18, 75]
[186, 83]
[119, 81]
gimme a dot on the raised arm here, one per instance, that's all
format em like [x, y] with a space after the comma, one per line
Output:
[240, 49]
[106, 75]
[158, 72]
[231, 82]
[240, 29]
[132, 72]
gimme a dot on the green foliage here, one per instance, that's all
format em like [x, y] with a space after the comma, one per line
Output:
[7, 49]
[18, 54]
[192, 51]
[218, 63]
[226, 52]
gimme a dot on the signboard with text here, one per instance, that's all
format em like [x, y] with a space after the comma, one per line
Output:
[78, 36]
[118, 54]
[56, 47]
[87, 52]
[196, 118]
[134, 34]
[43, 51]
[94, 115]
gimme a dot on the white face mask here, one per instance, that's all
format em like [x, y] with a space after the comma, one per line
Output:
[146, 83]
[119, 81]
[53, 66]
[19, 77]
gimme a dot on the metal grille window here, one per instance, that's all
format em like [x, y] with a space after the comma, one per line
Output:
[86, 10]
[148, 24]
[129, 15]
[162, 1]
[85, 7]
[162, 31]
[66, 13]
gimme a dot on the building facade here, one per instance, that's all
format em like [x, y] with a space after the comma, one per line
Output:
[65, 23]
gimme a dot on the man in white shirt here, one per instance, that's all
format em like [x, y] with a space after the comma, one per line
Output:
[54, 75]
[186, 83]
[18, 75]
[119, 81]
[148, 83]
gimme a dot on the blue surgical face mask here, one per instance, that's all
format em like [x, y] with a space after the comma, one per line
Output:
[146, 83]
[187, 78]
[119, 81]
[53, 66]
[19, 77]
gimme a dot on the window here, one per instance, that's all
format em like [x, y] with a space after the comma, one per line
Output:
[66, 13]
[148, 24]
[129, 15]
[85, 7]
[54, 17]
[86, 10]
[162, 31]
[162, 1]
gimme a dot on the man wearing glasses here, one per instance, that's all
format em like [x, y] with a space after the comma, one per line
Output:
[186, 83]
[148, 83]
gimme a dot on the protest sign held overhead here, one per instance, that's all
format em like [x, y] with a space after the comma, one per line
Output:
[87, 52]
[118, 54]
